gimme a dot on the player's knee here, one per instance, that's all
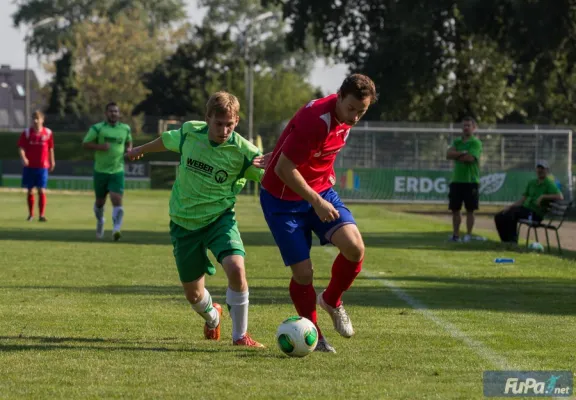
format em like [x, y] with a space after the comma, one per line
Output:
[303, 273]
[354, 251]
[235, 271]
[193, 295]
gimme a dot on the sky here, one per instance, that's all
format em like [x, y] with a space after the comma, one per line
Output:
[12, 50]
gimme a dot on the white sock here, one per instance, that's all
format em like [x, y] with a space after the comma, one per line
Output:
[238, 308]
[117, 215]
[99, 213]
[205, 310]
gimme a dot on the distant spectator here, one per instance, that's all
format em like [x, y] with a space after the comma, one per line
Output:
[464, 187]
[539, 193]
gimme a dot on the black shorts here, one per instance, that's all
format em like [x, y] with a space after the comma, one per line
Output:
[466, 193]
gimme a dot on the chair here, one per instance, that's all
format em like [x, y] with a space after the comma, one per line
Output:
[553, 220]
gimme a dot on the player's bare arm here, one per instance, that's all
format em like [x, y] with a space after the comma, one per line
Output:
[517, 203]
[96, 146]
[288, 173]
[549, 197]
[52, 160]
[155, 146]
[453, 154]
[261, 161]
[22, 153]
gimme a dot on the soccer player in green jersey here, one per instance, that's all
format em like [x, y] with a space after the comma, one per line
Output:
[110, 140]
[215, 163]
[464, 188]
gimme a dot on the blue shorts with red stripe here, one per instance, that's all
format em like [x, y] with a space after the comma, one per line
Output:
[292, 224]
[34, 177]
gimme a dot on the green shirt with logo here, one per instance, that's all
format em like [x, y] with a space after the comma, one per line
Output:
[210, 175]
[110, 161]
[534, 190]
[467, 172]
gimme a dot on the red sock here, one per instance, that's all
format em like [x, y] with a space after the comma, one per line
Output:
[343, 274]
[31, 204]
[304, 299]
[42, 203]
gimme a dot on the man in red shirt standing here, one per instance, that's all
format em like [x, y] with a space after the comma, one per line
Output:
[36, 147]
[297, 199]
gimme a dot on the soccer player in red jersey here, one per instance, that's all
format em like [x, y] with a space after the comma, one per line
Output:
[297, 199]
[36, 148]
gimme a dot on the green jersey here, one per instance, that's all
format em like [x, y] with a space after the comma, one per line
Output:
[534, 190]
[467, 172]
[110, 161]
[210, 175]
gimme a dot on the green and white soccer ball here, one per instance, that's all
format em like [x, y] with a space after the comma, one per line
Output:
[297, 337]
[536, 247]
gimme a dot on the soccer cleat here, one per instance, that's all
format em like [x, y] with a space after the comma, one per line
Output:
[213, 333]
[339, 317]
[42, 219]
[454, 239]
[30, 218]
[116, 235]
[247, 341]
[100, 229]
[324, 347]
[467, 238]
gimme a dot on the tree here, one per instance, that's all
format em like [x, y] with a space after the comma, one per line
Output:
[111, 58]
[55, 21]
[263, 40]
[442, 59]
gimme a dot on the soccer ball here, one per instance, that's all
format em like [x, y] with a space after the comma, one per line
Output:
[297, 337]
[536, 247]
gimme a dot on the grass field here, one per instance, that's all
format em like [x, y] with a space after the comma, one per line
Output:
[81, 318]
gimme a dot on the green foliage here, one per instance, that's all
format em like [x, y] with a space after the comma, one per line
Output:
[499, 60]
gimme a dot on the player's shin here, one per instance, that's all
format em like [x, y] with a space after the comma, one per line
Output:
[117, 217]
[99, 213]
[238, 307]
[344, 272]
[206, 310]
[304, 299]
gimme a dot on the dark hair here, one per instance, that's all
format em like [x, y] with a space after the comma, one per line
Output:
[360, 86]
[469, 119]
[111, 104]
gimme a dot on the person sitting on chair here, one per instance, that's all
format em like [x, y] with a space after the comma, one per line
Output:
[539, 193]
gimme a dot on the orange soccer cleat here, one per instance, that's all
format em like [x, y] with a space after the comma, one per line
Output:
[214, 333]
[247, 341]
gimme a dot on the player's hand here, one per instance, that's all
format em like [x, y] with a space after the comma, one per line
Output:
[326, 211]
[25, 162]
[52, 166]
[135, 154]
[539, 201]
[262, 161]
[105, 146]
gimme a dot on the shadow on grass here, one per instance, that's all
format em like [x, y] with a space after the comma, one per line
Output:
[396, 240]
[547, 296]
[49, 343]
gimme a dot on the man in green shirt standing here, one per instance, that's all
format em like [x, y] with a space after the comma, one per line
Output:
[464, 188]
[110, 140]
[533, 204]
[215, 163]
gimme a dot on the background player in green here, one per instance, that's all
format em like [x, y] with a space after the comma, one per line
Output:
[533, 204]
[110, 140]
[214, 164]
[464, 188]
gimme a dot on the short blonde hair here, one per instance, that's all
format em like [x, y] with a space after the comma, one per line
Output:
[222, 103]
[38, 114]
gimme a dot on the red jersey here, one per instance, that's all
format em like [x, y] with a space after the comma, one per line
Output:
[311, 140]
[37, 146]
